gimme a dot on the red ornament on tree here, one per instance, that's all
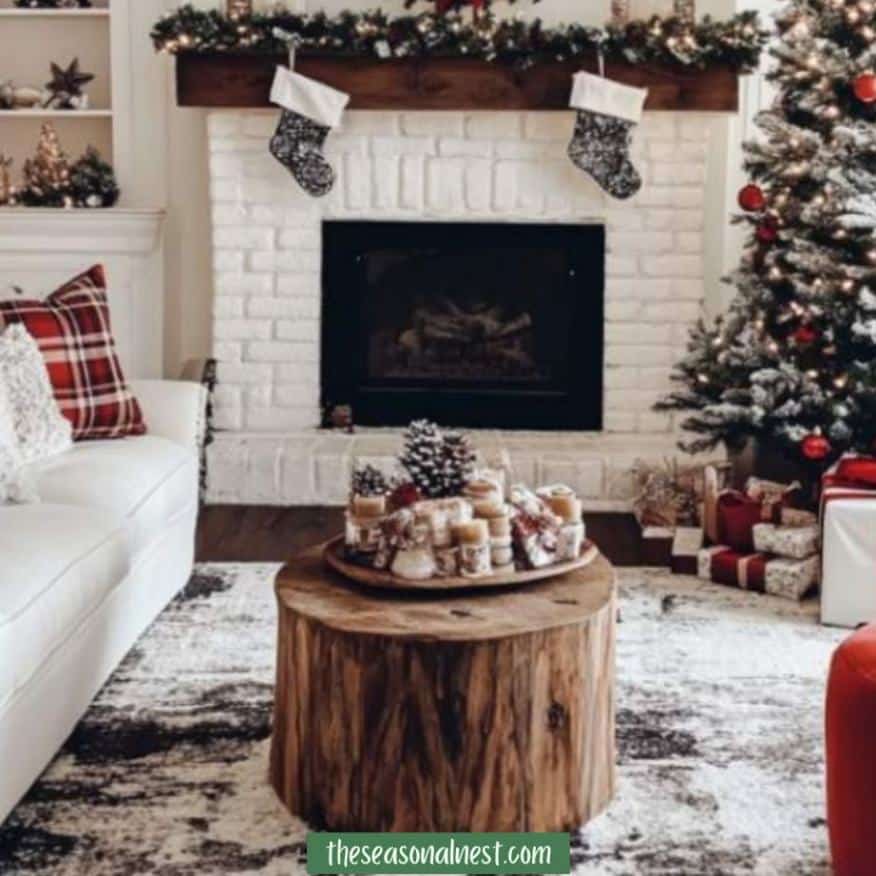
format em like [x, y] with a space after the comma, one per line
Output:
[864, 87]
[767, 232]
[752, 198]
[805, 335]
[815, 447]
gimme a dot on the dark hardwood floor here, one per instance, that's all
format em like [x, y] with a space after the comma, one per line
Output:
[250, 533]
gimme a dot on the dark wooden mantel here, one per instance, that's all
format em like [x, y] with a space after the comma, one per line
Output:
[244, 80]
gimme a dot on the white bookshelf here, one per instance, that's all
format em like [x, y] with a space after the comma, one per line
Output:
[59, 36]
[15, 12]
[126, 121]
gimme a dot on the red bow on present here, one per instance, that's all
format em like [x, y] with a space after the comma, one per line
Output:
[856, 472]
[853, 477]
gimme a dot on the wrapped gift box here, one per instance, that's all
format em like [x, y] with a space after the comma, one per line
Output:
[798, 517]
[738, 514]
[686, 545]
[778, 576]
[792, 542]
[848, 522]
[656, 545]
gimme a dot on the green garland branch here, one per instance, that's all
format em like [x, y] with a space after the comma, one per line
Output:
[736, 42]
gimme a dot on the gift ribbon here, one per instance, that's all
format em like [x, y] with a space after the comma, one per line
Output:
[746, 571]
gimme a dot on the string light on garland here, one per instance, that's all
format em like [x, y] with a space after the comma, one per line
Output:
[736, 42]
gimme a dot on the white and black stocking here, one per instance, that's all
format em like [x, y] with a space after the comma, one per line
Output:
[297, 144]
[310, 110]
[607, 114]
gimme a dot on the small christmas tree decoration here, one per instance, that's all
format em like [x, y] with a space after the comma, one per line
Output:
[815, 447]
[64, 91]
[8, 193]
[752, 198]
[47, 174]
[438, 463]
[864, 87]
[368, 480]
[93, 181]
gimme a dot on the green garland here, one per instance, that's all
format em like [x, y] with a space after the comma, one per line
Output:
[736, 42]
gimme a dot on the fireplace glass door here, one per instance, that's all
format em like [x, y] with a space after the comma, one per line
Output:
[479, 325]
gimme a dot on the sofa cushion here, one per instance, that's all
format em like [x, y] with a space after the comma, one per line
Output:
[72, 328]
[58, 564]
[144, 481]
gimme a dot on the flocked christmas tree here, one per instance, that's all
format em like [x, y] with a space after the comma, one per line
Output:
[47, 174]
[93, 181]
[793, 362]
[438, 462]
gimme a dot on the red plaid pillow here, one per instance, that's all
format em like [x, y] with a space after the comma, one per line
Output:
[72, 329]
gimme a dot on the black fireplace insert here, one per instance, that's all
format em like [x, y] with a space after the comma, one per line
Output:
[470, 324]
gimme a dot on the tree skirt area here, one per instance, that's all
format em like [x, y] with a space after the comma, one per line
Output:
[720, 698]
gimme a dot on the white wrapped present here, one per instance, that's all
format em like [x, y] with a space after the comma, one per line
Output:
[848, 521]
[793, 542]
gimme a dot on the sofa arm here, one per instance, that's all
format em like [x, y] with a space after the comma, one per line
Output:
[174, 409]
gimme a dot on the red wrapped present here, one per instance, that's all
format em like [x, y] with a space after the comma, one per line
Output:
[737, 516]
[779, 576]
[848, 526]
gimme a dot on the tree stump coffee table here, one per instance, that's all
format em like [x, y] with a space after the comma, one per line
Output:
[486, 711]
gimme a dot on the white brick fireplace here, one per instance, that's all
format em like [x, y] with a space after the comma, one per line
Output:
[440, 166]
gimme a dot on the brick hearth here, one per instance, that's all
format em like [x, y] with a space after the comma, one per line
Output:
[455, 166]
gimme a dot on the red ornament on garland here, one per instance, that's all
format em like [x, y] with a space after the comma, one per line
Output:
[864, 87]
[752, 198]
[767, 232]
[815, 447]
[805, 335]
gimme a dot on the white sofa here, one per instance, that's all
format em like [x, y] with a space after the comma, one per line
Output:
[87, 569]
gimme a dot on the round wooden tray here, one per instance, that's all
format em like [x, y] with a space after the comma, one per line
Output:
[333, 556]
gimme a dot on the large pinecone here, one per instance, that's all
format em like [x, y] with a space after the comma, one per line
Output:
[439, 463]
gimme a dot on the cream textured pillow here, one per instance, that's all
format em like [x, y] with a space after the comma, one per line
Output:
[40, 428]
[15, 484]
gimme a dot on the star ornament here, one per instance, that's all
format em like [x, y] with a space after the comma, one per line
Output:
[70, 81]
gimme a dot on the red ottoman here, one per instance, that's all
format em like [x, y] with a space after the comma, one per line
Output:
[851, 755]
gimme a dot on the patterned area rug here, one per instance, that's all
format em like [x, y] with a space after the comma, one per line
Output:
[719, 731]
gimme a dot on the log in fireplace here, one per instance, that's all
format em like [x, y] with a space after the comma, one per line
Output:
[484, 325]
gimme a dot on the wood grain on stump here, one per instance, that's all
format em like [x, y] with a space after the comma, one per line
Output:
[467, 712]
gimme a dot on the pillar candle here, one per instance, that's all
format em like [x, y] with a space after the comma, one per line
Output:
[369, 506]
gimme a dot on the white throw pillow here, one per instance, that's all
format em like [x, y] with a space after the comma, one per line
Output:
[40, 429]
[15, 484]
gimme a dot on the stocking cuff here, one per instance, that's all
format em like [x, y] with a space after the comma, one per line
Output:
[601, 95]
[314, 100]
